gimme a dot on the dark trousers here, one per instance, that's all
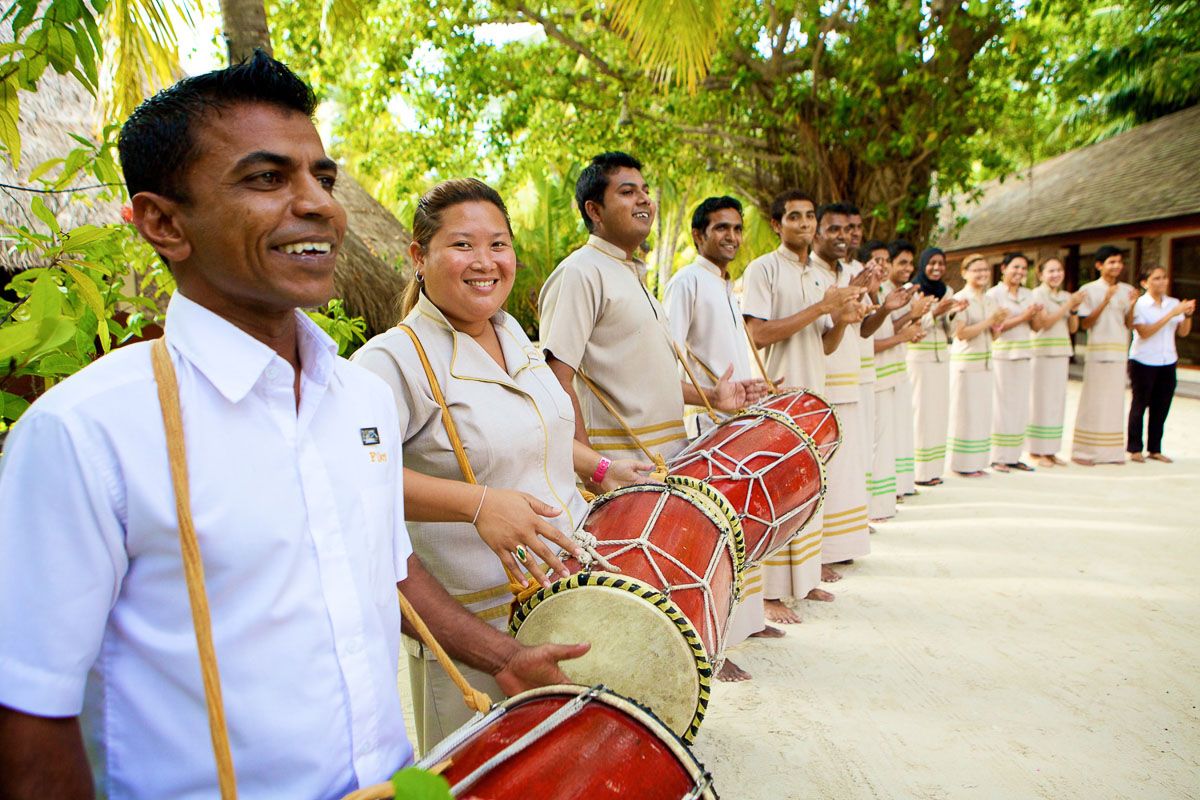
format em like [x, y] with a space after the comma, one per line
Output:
[1153, 388]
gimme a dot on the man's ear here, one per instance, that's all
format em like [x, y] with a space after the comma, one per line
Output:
[697, 238]
[593, 210]
[776, 227]
[156, 218]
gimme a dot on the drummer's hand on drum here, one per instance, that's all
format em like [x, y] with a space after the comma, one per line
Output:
[531, 667]
[513, 523]
[756, 390]
[625, 472]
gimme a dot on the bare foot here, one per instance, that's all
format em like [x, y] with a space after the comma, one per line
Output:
[1058, 462]
[776, 611]
[1044, 461]
[732, 673]
[1083, 462]
[768, 633]
[829, 576]
[819, 594]
[1138, 457]
[1160, 457]
[999, 467]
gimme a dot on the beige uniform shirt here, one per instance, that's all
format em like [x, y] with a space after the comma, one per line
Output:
[866, 345]
[776, 286]
[598, 318]
[935, 345]
[1108, 339]
[890, 363]
[516, 425]
[843, 365]
[705, 319]
[1016, 343]
[1055, 340]
[973, 355]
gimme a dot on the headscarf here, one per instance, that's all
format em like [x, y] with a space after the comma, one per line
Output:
[927, 286]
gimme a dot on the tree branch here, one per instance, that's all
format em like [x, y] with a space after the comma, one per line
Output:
[554, 32]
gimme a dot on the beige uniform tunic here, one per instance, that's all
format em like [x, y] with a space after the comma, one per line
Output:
[845, 534]
[1012, 352]
[775, 286]
[971, 388]
[889, 366]
[893, 367]
[705, 319]
[929, 372]
[1051, 363]
[598, 318]
[517, 426]
[1099, 421]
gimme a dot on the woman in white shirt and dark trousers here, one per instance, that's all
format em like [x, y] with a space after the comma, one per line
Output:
[1157, 320]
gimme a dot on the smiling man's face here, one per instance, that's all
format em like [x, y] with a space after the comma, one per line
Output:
[720, 241]
[832, 240]
[260, 229]
[627, 214]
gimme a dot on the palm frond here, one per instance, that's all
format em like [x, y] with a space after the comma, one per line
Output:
[141, 53]
[673, 39]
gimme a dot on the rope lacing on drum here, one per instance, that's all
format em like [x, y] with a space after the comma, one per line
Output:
[590, 556]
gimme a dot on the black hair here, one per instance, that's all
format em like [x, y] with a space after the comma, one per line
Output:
[1011, 257]
[593, 180]
[864, 252]
[854, 212]
[1150, 270]
[710, 206]
[899, 246]
[1106, 252]
[835, 208]
[779, 204]
[157, 143]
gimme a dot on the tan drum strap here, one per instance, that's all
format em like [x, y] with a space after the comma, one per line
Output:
[193, 570]
[696, 384]
[758, 358]
[522, 591]
[193, 565]
[660, 469]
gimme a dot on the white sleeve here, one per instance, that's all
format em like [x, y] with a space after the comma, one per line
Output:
[62, 562]
[756, 291]
[680, 303]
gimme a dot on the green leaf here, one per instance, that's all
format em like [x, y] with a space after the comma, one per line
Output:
[417, 784]
[10, 109]
[91, 295]
[53, 333]
[45, 215]
[12, 406]
[16, 339]
[85, 235]
[61, 48]
[44, 167]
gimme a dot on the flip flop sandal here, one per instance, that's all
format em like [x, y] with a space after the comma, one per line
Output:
[1022, 466]
[998, 467]
[932, 482]
[1161, 457]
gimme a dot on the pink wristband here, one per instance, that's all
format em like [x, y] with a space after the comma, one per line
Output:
[601, 469]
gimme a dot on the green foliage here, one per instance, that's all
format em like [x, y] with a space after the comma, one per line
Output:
[349, 332]
[413, 783]
[64, 37]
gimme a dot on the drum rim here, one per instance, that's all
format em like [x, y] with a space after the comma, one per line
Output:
[805, 439]
[643, 714]
[728, 519]
[761, 404]
[613, 581]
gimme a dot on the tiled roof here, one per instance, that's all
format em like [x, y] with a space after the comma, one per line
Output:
[1147, 173]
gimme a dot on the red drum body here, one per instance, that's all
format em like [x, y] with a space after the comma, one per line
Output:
[768, 469]
[657, 609]
[813, 414]
[567, 742]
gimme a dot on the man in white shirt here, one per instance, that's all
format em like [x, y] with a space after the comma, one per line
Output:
[788, 308]
[294, 474]
[706, 323]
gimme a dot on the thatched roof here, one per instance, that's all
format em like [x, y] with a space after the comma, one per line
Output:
[1144, 174]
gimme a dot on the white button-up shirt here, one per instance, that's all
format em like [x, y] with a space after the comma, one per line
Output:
[705, 319]
[1159, 349]
[299, 518]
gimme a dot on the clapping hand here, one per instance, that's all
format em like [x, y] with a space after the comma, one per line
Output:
[730, 395]
[898, 298]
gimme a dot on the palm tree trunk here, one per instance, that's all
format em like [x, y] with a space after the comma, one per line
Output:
[245, 23]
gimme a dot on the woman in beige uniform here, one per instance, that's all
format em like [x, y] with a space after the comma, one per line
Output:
[1012, 353]
[1052, 329]
[515, 421]
[971, 371]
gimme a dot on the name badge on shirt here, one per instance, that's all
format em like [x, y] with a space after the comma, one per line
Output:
[370, 436]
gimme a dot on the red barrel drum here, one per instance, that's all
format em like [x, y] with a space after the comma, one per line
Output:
[813, 414]
[657, 608]
[768, 469]
[567, 742]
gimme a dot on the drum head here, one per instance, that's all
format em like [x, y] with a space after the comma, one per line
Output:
[642, 646]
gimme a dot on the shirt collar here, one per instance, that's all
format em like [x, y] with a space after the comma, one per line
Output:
[610, 249]
[788, 255]
[709, 267]
[464, 362]
[816, 260]
[232, 359]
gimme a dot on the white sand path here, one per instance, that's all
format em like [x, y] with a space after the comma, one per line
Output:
[1031, 635]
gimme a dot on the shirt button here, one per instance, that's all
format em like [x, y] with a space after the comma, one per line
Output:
[272, 373]
[354, 645]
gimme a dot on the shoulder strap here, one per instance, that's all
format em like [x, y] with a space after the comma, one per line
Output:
[447, 420]
[193, 565]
